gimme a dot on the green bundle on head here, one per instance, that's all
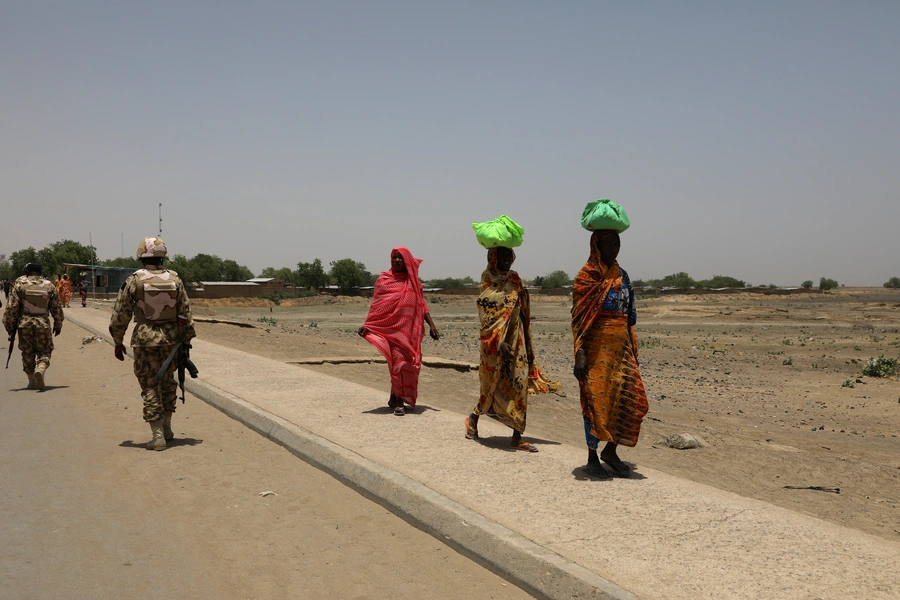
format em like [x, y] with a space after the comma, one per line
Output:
[604, 214]
[502, 232]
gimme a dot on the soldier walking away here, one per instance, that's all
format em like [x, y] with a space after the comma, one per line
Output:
[155, 296]
[32, 301]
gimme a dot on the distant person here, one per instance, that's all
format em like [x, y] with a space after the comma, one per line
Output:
[32, 301]
[82, 291]
[7, 286]
[508, 371]
[395, 326]
[613, 399]
[156, 298]
[65, 290]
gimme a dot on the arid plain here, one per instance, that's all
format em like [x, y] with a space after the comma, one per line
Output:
[772, 385]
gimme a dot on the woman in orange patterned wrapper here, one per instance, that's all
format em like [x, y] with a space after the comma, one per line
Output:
[508, 372]
[613, 400]
[65, 290]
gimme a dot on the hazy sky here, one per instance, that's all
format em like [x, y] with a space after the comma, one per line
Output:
[759, 140]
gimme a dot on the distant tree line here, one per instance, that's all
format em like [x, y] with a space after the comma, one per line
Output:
[683, 280]
[51, 258]
[345, 273]
[202, 267]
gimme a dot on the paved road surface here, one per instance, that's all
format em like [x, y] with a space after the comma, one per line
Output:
[87, 512]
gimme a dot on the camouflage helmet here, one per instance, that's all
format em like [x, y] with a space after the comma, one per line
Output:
[152, 247]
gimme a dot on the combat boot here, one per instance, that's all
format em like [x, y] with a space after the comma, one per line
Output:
[39, 376]
[168, 434]
[30, 379]
[159, 441]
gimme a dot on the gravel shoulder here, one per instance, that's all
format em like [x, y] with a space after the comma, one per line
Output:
[713, 366]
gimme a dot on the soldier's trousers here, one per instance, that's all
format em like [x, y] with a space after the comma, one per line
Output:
[159, 396]
[36, 344]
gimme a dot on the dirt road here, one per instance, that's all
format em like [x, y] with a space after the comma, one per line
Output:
[87, 512]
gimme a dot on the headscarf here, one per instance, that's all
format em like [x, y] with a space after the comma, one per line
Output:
[493, 276]
[592, 284]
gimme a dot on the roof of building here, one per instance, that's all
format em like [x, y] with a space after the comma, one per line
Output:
[261, 279]
[214, 283]
[98, 267]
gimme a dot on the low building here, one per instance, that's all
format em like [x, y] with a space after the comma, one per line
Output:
[102, 282]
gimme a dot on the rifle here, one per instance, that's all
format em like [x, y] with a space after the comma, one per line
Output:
[12, 343]
[12, 336]
[181, 354]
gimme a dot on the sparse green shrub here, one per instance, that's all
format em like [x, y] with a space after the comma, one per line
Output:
[826, 284]
[848, 383]
[313, 324]
[556, 279]
[277, 297]
[880, 367]
[788, 361]
[268, 321]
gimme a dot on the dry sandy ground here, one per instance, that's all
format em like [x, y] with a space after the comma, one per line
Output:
[87, 512]
[713, 367]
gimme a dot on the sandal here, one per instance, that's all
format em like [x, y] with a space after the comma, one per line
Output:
[595, 471]
[471, 432]
[618, 468]
[523, 446]
[399, 412]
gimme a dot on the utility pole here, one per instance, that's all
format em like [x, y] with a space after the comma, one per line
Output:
[93, 260]
[160, 219]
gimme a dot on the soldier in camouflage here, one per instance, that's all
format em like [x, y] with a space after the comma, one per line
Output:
[156, 298]
[32, 301]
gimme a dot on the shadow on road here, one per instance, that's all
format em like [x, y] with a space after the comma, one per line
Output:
[580, 475]
[501, 442]
[387, 410]
[170, 444]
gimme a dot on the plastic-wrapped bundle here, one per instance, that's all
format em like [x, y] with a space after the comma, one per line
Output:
[502, 232]
[604, 214]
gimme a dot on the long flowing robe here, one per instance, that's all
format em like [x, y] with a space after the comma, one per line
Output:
[65, 291]
[395, 325]
[504, 311]
[613, 399]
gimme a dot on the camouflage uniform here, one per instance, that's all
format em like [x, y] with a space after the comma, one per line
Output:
[32, 301]
[155, 296]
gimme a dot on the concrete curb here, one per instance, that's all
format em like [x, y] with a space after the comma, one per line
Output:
[535, 569]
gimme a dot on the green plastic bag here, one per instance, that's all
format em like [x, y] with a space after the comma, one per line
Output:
[604, 214]
[502, 232]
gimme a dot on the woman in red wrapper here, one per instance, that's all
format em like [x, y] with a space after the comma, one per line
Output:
[395, 326]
